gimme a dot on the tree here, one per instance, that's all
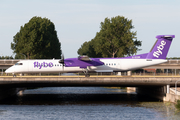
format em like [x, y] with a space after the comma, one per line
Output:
[116, 38]
[6, 57]
[20, 56]
[88, 49]
[37, 39]
[173, 58]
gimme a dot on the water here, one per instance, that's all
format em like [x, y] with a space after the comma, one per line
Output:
[84, 103]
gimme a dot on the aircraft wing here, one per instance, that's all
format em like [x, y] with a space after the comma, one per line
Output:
[82, 62]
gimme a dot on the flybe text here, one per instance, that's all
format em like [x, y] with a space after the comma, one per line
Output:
[159, 49]
[43, 64]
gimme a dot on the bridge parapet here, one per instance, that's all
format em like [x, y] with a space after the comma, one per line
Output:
[84, 81]
[173, 61]
[8, 61]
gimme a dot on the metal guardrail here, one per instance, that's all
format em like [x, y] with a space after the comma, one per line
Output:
[8, 62]
[99, 74]
[173, 62]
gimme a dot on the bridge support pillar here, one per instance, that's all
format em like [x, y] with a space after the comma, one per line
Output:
[129, 73]
[158, 92]
[168, 88]
[8, 92]
[21, 74]
[119, 73]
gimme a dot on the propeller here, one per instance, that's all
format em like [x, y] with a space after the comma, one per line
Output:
[62, 61]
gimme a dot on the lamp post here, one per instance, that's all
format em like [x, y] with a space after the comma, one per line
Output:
[12, 56]
[176, 86]
[24, 55]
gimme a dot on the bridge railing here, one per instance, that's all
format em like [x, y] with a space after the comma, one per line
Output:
[155, 74]
[8, 62]
[2, 73]
[171, 61]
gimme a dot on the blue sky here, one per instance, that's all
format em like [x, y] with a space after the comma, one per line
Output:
[77, 21]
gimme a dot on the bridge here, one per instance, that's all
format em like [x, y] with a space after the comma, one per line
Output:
[64, 81]
[170, 64]
[6, 63]
[146, 85]
[152, 86]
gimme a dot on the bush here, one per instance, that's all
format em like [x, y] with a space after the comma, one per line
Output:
[178, 105]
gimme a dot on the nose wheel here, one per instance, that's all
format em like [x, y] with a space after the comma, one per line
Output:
[86, 73]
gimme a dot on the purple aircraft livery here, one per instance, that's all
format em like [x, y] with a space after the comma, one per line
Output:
[85, 64]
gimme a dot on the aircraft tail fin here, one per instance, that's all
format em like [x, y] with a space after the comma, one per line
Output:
[161, 47]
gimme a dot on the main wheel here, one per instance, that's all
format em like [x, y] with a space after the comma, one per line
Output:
[87, 75]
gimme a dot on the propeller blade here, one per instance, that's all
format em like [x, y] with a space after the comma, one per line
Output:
[62, 61]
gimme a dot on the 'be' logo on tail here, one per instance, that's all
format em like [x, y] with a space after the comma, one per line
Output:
[159, 49]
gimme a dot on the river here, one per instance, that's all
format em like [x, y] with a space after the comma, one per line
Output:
[85, 103]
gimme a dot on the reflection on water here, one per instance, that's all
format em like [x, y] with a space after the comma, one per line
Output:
[82, 103]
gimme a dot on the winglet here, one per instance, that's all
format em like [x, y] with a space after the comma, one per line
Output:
[161, 47]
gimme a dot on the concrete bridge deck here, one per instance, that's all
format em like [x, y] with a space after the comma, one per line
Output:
[63, 81]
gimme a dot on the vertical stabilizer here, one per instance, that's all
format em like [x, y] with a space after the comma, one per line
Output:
[161, 47]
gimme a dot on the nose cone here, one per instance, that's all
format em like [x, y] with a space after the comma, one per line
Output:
[9, 70]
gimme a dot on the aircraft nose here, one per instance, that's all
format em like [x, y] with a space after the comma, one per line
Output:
[9, 70]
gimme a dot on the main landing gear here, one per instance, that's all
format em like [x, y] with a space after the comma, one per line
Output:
[86, 73]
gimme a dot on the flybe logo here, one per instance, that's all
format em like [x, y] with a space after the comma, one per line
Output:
[159, 49]
[43, 64]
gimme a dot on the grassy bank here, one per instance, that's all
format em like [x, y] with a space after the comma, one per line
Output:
[177, 105]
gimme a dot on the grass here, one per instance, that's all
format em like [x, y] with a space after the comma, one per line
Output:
[116, 87]
[177, 105]
[168, 103]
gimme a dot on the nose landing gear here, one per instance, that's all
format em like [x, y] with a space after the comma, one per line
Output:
[86, 72]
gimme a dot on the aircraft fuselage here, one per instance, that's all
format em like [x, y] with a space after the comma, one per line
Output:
[110, 65]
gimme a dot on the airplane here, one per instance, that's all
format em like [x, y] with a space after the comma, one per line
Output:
[85, 64]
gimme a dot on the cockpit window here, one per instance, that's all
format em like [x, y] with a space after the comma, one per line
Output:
[18, 64]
